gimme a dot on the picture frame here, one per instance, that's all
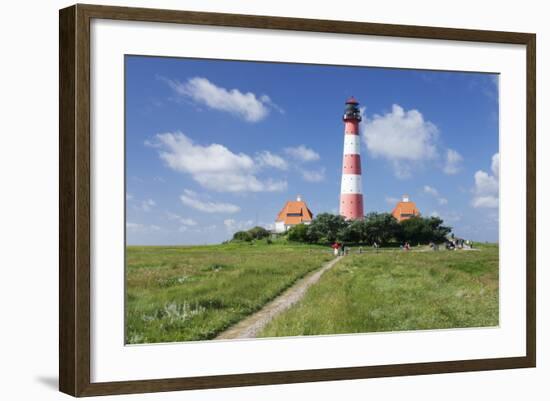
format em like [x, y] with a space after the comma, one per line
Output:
[76, 199]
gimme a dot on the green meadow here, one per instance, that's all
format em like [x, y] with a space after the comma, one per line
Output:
[184, 293]
[394, 290]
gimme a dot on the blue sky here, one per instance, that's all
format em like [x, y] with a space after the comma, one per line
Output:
[216, 146]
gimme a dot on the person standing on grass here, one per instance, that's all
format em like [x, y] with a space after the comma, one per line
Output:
[336, 248]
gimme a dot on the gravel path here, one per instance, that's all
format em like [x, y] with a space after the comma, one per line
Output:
[253, 324]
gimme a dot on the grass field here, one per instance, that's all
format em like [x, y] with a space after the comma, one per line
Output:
[194, 293]
[394, 290]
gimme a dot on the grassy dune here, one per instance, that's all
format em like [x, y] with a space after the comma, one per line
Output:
[395, 290]
[194, 293]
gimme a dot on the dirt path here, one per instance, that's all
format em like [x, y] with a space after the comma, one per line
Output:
[253, 324]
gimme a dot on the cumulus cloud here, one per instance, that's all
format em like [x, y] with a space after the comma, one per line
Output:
[133, 226]
[233, 225]
[141, 228]
[193, 200]
[302, 153]
[184, 221]
[451, 217]
[452, 162]
[313, 175]
[188, 222]
[430, 190]
[214, 166]
[495, 164]
[435, 193]
[487, 186]
[245, 105]
[269, 159]
[402, 137]
[147, 205]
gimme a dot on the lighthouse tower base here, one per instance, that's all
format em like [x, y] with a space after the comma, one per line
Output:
[351, 206]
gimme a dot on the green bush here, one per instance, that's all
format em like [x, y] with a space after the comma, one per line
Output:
[242, 236]
[326, 227]
[298, 233]
[259, 232]
[423, 230]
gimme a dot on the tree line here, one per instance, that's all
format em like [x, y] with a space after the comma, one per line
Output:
[381, 228]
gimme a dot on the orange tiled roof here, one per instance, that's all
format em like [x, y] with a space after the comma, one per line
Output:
[298, 211]
[405, 210]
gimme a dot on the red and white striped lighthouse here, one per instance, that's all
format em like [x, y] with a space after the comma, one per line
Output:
[351, 196]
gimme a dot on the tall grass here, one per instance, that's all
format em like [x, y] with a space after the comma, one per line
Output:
[194, 293]
[395, 290]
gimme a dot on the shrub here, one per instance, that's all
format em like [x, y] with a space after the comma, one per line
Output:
[258, 232]
[325, 228]
[242, 236]
[298, 233]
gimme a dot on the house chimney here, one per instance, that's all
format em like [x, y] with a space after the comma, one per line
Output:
[299, 198]
[405, 198]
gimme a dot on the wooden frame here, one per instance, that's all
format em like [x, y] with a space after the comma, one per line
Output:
[74, 200]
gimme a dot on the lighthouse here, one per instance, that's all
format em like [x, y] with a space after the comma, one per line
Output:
[351, 196]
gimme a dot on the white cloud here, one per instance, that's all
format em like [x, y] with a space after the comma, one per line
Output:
[141, 228]
[269, 159]
[248, 106]
[447, 218]
[452, 162]
[184, 221]
[313, 175]
[193, 200]
[214, 166]
[133, 226]
[487, 186]
[233, 225]
[435, 193]
[402, 137]
[495, 164]
[302, 153]
[430, 190]
[188, 222]
[485, 202]
[391, 200]
[147, 205]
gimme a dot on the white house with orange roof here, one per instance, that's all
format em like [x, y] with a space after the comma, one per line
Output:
[293, 213]
[405, 209]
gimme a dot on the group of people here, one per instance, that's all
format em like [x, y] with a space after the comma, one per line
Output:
[340, 249]
[459, 243]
